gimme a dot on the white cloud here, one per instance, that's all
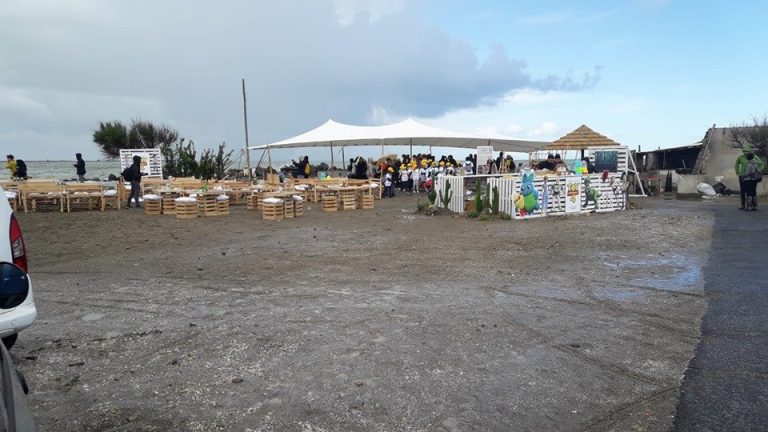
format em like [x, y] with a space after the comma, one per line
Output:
[348, 10]
[68, 65]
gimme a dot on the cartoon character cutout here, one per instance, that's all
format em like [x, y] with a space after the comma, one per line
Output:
[528, 199]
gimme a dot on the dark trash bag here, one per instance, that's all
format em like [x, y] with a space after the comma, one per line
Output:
[722, 189]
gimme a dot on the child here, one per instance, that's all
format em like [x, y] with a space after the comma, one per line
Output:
[414, 179]
[389, 190]
[403, 178]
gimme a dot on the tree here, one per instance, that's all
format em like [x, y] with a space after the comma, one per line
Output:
[755, 134]
[114, 136]
[111, 137]
[222, 161]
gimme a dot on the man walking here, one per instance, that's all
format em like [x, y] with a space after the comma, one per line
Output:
[80, 166]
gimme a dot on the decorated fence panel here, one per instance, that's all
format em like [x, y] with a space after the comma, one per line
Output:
[456, 192]
[506, 188]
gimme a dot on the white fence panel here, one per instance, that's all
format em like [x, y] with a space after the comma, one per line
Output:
[506, 188]
[457, 188]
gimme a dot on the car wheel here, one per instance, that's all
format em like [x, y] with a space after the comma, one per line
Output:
[9, 341]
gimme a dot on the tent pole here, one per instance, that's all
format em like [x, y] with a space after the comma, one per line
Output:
[331, 156]
[410, 145]
[269, 156]
[247, 152]
[343, 158]
[382, 148]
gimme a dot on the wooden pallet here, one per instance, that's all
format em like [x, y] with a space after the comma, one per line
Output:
[347, 200]
[206, 205]
[330, 203]
[273, 211]
[169, 205]
[153, 207]
[186, 210]
[298, 208]
[288, 209]
[222, 207]
[365, 202]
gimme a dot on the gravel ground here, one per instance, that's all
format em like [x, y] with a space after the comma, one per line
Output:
[375, 320]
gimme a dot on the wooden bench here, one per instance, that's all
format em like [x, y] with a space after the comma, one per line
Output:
[90, 194]
[36, 193]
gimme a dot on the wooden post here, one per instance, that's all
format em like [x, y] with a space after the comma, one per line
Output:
[247, 152]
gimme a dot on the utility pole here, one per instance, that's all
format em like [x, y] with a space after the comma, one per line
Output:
[245, 121]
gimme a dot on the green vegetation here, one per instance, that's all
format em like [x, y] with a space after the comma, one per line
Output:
[179, 159]
[445, 197]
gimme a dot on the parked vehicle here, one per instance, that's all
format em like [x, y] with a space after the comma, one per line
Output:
[14, 411]
[17, 311]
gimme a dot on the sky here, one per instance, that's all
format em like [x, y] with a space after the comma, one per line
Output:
[647, 73]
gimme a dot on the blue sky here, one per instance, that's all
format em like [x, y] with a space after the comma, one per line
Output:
[648, 73]
[669, 69]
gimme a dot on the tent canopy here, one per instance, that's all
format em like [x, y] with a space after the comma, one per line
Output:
[407, 132]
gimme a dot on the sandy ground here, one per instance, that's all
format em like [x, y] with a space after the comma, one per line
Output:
[376, 320]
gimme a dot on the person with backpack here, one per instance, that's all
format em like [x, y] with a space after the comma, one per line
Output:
[80, 167]
[749, 168]
[133, 175]
[752, 176]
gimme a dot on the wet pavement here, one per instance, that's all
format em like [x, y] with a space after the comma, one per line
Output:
[726, 385]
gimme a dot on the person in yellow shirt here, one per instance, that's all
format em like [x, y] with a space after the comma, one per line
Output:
[11, 165]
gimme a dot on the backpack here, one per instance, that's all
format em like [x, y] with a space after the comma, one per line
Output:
[752, 173]
[21, 168]
[127, 174]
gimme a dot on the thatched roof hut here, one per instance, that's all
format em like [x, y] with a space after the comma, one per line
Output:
[580, 139]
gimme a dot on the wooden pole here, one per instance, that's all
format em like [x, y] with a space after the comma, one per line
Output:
[247, 152]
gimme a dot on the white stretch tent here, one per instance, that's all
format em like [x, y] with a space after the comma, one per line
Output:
[407, 132]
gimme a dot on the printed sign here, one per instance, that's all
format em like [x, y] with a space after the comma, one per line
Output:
[572, 194]
[151, 161]
[483, 154]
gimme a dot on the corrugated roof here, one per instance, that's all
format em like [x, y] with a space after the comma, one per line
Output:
[583, 137]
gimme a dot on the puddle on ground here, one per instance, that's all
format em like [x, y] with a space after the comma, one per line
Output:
[670, 273]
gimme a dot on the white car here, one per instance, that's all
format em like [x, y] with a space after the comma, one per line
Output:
[17, 306]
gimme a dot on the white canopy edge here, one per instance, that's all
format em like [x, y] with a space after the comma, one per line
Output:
[404, 133]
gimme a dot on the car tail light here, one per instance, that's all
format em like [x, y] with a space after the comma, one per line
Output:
[17, 245]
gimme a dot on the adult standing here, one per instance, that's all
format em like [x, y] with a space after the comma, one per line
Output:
[133, 174]
[740, 168]
[80, 167]
[11, 165]
[500, 162]
[751, 173]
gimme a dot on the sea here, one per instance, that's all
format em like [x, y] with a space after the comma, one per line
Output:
[94, 170]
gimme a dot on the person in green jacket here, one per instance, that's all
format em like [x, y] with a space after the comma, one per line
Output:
[747, 184]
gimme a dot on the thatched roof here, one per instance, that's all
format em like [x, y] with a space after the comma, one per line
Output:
[583, 137]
